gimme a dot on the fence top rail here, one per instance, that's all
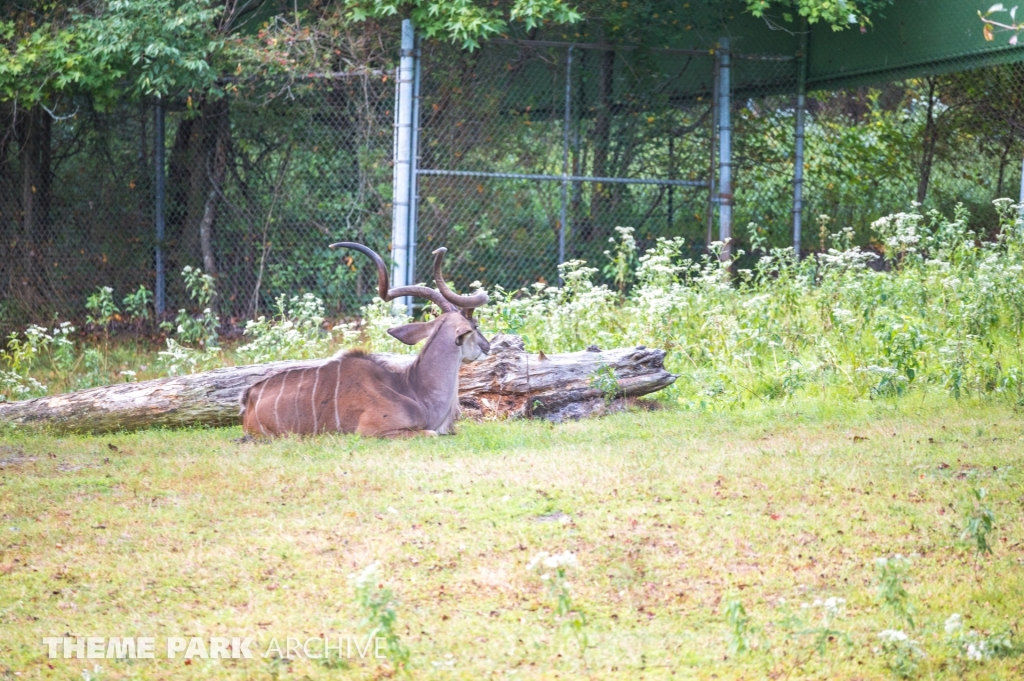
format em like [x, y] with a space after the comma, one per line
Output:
[562, 178]
[329, 75]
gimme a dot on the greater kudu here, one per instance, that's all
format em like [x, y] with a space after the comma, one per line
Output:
[359, 393]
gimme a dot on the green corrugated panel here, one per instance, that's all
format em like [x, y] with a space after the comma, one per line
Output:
[913, 38]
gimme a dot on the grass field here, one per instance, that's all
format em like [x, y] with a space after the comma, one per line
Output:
[672, 516]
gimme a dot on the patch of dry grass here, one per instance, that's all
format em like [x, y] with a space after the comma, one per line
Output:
[671, 515]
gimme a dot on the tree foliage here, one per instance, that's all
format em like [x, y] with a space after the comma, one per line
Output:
[160, 46]
[164, 47]
[837, 13]
[463, 21]
[43, 52]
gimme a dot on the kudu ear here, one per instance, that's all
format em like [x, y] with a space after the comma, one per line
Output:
[413, 333]
[462, 330]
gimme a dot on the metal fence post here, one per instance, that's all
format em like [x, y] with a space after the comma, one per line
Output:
[671, 176]
[724, 149]
[403, 165]
[160, 294]
[414, 158]
[711, 165]
[798, 150]
[1021, 219]
[565, 160]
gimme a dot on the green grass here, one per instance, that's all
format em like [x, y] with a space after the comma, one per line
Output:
[671, 514]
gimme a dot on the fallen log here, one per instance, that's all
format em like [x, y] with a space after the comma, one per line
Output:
[508, 383]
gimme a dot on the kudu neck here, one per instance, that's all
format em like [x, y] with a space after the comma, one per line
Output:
[436, 370]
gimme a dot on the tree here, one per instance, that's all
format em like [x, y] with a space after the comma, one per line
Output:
[839, 14]
[467, 23]
[54, 52]
[463, 21]
[40, 60]
[62, 57]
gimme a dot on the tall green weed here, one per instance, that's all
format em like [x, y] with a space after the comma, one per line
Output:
[930, 306]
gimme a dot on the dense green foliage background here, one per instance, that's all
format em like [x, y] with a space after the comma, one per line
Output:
[280, 128]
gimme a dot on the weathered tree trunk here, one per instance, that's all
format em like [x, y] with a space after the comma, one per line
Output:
[509, 382]
[30, 141]
[34, 142]
[178, 175]
[601, 194]
[929, 140]
[8, 192]
[220, 139]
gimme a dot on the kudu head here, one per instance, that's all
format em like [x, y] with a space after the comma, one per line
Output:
[455, 324]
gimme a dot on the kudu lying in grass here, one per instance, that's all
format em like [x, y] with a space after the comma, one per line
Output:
[359, 393]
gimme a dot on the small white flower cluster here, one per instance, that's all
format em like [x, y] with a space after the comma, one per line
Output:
[897, 560]
[844, 317]
[19, 387]
[179, 360]
[893, 636]
[20, 355]
[973, 645]
[295, 332]
[904, 652]
[369, 575]
[544, 562]
[851, 258]
[833, 606]
[625, 235]
[900, 231]
[555, 561]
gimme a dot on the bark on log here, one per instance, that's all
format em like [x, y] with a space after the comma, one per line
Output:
[509, 382]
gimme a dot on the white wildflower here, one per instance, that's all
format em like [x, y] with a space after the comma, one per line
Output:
[561, 560]
[536, 560]
[834, 605]
[368, 575]
[552, 561]
[892, 636]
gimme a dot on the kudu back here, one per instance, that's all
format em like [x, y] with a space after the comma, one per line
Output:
[359, 393]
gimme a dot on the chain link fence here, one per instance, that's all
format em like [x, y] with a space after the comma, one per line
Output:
[529, 153]
[532, 154]
[257, 185]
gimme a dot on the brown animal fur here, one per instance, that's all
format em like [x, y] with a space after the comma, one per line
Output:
[306, 400]
[356, 393]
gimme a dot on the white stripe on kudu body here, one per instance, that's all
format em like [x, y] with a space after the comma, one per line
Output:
[256, 408]
[371, 396]
[316, 381]
[296, 423]
[337, 405]
[277, 418]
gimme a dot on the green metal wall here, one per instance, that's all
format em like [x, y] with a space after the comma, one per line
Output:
[912, 38]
